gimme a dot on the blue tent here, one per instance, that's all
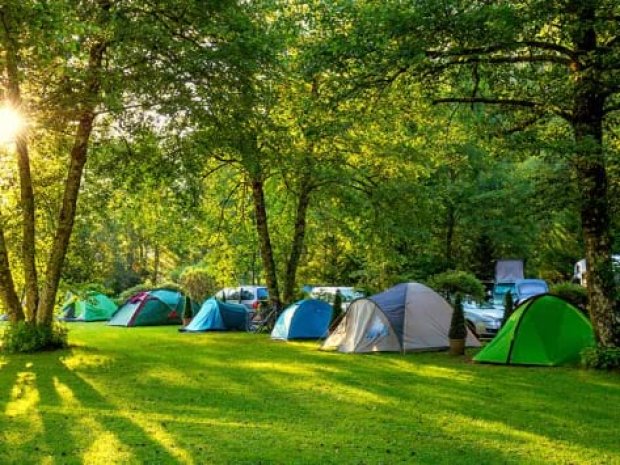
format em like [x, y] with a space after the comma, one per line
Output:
[306, 319]
[215, 315]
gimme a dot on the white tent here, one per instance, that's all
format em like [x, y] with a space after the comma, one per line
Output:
[406, 317]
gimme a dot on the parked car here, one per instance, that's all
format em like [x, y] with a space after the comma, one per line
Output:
[250, 296]
[521, 289]
[328, 294]
[526, 288]
[484, 320]
[499, 293]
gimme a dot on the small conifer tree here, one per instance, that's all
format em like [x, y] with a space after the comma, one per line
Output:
[337, 306]
[509, 307]
[457, 325]
[188, 311]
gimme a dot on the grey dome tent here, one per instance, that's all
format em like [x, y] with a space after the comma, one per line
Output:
[406, 317]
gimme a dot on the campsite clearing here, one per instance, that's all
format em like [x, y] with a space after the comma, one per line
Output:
[151, 395]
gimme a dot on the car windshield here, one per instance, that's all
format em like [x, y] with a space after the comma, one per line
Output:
[262, 293]
[347, 296]
[503, 288]
[532, 288]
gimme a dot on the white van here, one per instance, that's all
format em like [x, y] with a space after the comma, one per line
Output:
[250, 296]
[328, 294]
[579, 273]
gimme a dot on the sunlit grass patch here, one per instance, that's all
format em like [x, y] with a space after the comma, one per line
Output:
[157, 396]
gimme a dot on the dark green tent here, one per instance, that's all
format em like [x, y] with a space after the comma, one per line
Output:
[544, 330]
[156, 307]
[92, 306]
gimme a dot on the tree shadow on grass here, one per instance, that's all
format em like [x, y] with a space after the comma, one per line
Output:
[74, 423]
[512, 404]
[98, 428]
[244, 399]
[18, 412]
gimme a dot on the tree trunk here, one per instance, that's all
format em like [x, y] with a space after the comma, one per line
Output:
[266, 250]
[589, 164]
[298, 241]
[9, 297]
[592, 178]
[23, 163]
[155, 277]
[72, 188]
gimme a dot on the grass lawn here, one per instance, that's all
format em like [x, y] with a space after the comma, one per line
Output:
[152, 395]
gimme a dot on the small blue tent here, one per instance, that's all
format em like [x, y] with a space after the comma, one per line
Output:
[306, 319]
[215, 315]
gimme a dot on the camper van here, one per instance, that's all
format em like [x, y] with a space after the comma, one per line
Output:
[507, 273]
[579, 273]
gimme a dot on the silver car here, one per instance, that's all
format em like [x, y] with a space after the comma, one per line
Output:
[250, 296]
[484, 320]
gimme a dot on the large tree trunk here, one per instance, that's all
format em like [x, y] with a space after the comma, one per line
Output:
[72, 187]
[23, 163]
[592, 178]
[591, 173]
[299, 236]
[264, 238]
[9, 297]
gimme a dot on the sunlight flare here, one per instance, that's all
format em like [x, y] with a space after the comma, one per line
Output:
[11, 124]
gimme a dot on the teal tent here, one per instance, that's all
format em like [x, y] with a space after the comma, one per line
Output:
[92, 306]
[152, 308]
[306, 319]
[215, 315]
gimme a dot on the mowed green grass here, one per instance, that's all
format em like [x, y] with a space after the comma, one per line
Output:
[152, 395]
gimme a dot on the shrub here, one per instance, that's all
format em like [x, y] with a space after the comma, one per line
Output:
[29, 337]
[601, 358]
[198, 283]
[449, 283]
[573, 293]
[127, 293]
[457, 324]
[509, 307]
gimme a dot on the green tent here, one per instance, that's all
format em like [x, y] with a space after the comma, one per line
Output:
[544, 330]
[151, 308]
[91, 306]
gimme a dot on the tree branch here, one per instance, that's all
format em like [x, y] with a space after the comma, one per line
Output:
[503, 47]
[505, 102]
[509, 59]
[611, 109]
[524, 124]
[490, 101]
[614, 40]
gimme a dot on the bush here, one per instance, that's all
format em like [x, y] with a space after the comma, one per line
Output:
[601, 358]
[198, 283]
[144, 287]
[29, 337]
[457, 324]
[573, 293]
[450, 283]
